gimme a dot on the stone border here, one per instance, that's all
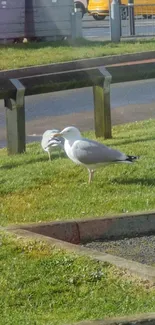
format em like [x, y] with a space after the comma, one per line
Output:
[83, 230]
[141, 319]
[68, 235]
[77, 64]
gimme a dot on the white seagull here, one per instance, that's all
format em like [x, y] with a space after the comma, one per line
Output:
[50, 143]
[88, 153]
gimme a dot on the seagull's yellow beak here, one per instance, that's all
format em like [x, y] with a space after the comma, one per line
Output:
[55, 135]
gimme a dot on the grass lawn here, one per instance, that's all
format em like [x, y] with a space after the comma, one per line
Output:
[29, 54]
[33, 189]
[40, 285]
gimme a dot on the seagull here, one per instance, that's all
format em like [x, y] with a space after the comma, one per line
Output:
[49, 143]
[91, 154]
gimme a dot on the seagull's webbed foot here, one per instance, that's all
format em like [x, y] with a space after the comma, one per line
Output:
[91, 174]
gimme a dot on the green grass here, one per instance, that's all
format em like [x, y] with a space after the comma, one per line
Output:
[29, 54]
[33, 189]
[40, 285]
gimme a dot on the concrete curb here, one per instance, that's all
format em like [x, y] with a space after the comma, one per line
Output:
[77, 64]
[132, 71]
[83, 230]
[141, 319]
[68, 235]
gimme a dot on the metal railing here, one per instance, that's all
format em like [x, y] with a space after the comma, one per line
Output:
[137, 20]
[131, 20]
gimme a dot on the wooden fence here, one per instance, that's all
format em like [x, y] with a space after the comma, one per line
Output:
[62, 77]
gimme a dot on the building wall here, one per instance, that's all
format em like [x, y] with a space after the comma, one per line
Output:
[12, 18]
[36, 18]
[48, 18]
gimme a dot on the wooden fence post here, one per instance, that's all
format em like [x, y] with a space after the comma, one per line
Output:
[15, 119]
[102, 112]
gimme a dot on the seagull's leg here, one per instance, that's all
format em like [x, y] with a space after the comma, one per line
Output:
[91, 174]
[49, 155]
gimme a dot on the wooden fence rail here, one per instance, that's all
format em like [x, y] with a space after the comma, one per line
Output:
[13, 91]
[65, 76]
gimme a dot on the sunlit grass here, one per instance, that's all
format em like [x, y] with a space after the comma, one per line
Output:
[41, 285]
[34, 189]
[30, 54]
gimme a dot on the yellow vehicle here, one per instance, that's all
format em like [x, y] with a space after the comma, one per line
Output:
[99, 9]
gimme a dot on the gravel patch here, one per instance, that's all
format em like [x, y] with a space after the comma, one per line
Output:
[139, 249]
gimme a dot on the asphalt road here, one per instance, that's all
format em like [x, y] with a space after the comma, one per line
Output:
[130, 101]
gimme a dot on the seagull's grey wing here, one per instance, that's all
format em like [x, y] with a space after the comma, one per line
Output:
[53, 142]
[59, 138]
[48, 141]
[59, 141]
[91, 152]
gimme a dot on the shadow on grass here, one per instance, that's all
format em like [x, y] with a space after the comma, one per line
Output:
[137, 181]
[132, 141]
[67, 43]
[12, 165]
